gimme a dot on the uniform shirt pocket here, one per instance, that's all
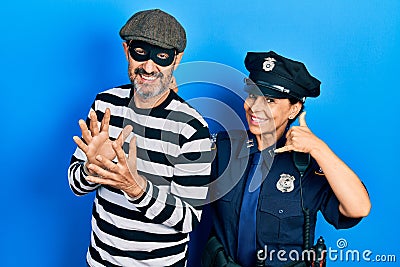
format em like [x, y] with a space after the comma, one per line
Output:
[280, 220]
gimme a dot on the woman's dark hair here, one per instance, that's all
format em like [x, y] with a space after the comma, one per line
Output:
[293, 101]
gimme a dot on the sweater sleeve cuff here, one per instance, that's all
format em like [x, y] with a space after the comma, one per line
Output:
[85, 173]
[145, 198]
[84, 170]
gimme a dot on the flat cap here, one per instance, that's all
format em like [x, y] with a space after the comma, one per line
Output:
[155, 27]
[279, 77]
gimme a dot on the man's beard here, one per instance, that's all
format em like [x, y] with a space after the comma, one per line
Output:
[147, 91]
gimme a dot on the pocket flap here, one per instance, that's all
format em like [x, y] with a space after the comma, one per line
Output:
[281, 208]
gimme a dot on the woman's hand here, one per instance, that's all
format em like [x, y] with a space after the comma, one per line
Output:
[300, 138]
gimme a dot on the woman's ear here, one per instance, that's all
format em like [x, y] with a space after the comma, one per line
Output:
[295, 109]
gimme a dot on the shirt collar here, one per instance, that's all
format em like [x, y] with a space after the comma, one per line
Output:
[249, 145]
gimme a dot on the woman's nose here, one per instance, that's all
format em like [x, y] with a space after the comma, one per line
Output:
[258, 104]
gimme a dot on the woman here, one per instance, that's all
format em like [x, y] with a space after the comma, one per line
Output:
[265, 203]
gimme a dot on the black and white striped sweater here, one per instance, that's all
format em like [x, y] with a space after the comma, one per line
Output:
[173, 153]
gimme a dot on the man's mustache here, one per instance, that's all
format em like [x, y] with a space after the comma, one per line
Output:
[141, 71]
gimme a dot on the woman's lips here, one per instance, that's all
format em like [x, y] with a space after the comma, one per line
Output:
[257, 120]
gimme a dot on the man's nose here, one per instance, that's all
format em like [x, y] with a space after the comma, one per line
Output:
[149, 66]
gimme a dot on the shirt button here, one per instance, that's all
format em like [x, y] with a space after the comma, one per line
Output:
[280, 211]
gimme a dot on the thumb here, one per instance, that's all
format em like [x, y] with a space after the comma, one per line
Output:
[132, 147]
[302, 119]
[132, 155]
[124, 134]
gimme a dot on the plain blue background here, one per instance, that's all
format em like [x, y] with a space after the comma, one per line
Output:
[56, 55]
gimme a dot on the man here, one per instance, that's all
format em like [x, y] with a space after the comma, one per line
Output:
[147, 202]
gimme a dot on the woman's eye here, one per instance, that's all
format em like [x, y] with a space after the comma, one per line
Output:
[269, 100]
[252, 96]
[162, 55]
[140, 51]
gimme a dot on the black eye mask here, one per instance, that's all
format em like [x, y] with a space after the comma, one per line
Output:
[142, 51]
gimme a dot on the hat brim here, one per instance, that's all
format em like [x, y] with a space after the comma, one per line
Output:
[150, 41]
[264, 90]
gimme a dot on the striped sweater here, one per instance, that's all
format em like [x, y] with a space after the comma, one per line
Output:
[173, 153]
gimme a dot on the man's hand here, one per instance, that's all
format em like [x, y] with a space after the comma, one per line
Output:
[122, 175]
[97, 141]
[300, 138]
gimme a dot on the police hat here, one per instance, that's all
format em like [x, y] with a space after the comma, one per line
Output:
[279, 77]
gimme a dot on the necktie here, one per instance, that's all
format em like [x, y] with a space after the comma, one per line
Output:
[246, 253]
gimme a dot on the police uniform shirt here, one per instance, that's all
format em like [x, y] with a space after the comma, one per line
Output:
[279, 216]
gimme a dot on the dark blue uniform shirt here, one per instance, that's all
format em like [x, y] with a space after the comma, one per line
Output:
[279, 217]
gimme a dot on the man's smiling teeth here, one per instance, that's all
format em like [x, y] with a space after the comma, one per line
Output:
[149, 77]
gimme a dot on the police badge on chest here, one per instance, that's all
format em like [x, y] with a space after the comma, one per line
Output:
[285, 183]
